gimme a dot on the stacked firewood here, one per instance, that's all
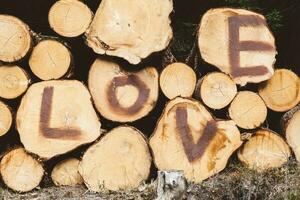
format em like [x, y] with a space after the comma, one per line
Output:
[58, 114]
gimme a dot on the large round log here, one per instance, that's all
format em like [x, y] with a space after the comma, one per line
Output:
[188, 138]
[5, 118]
[120, 95]
[20, 171]
[55, 117]
[264, 150]
[15, 38]
[131, 29]
[239, 43]
[120, 160]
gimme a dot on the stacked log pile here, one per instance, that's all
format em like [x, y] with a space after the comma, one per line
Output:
[57, 115]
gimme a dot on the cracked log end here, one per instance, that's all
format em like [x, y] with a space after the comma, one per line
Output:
[188, 138]
[216, 90]
[15, 39]
[66, 173]
[282, 92]
[5, 118]
[130, 29]
[13, 81]
[69, 18]
[50, 59]
[55, 117]
[264, 150]
[20, 171]
[177, 79]
[248, 110]
[120, 160]
[122, 96]
[239, 43]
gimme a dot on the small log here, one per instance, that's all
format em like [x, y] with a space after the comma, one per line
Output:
[291, 128]
[15, 38]
[281, 92]
[69, 18]
[122, 96]
[177, 79]
[55, 117]
[171, 185]
[216, 90]
[248, 110]
[66, 173]
[120, 160]
[50, 59]
[239, 43]
[264, 150]
[20, 171]
[134, 30]
[5, 118]
[14, 81]
[188, 138]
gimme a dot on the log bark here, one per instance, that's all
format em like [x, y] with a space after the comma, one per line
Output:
[239, 43]
[248, 110]
[70, 18]
[50, 59]
[14, 81]
[291, 128]
[264, 150]
[55, 117]
[120, 160]
[188, 138]
[131, 29]
[216, 90]
[122, 96]
[177, 79]
[66, 173]
[282, 92]
[15, 38]
[20, 171]
[5, 118]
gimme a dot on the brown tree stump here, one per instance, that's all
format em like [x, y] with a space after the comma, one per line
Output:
[188, 138]
[216, 90]
[69, 18]
[248, 110]
[20, 171]
[55, 117]
[5, 118]
[239, 43]
[14, 81]
[122, 96]
[131, 29]
[50, 59]
[282, 91]
[291, 128]
[264, 150]
[177, 79]
[15, 38]
[120, 160]
[66, 173]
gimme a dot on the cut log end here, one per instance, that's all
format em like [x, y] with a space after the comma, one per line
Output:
[20, 171]
[50, 59]
[248, 110]
[122, 96]
[70, 18]
[177, 79]
[282, 91]
[264, 150]
[66, 173]
[120, 160]
[216, 90]
[5, 118]
[13, 81]
[15, 38]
